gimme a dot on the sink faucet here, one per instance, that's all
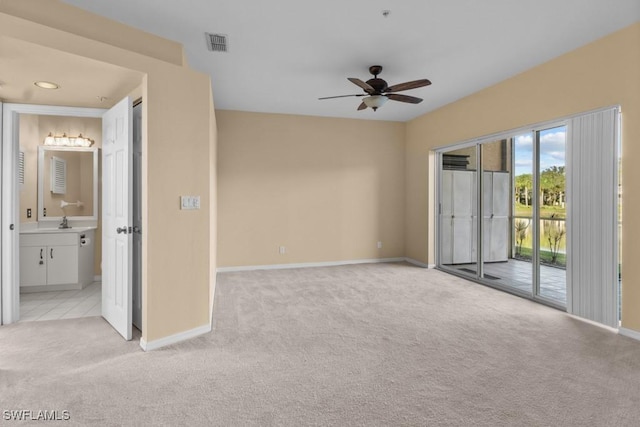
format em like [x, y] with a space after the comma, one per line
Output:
[64, 223]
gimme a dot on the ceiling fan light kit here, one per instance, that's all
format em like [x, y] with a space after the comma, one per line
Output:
[376, 101]
[378, 92]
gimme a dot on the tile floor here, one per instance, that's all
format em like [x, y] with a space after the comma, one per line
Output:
[62, 304]
[518, 274]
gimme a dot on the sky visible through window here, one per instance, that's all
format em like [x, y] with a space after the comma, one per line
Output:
[552, 150]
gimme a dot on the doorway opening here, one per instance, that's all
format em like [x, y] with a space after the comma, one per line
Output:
[59, 230]
[57, 268]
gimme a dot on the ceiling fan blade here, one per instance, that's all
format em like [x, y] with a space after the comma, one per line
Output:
[404, 98]
[408, 85]
[362, 106]
[366, 86]
[343, 96]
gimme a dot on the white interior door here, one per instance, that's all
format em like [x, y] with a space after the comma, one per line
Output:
[117, 139]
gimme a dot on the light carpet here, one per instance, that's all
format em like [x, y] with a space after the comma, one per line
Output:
[362, 345]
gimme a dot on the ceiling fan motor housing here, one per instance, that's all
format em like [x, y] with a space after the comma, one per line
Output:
[378, 85]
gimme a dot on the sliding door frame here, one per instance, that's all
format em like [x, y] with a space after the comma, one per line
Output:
[479, 276]
[534, 130]
[536, 218]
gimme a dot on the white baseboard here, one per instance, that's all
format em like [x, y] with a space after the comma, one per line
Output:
[172, 339]
[419, 263]
[630, 333]
[307, 264]
[594, 323]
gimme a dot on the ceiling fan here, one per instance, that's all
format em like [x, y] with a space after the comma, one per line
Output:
[377, 92]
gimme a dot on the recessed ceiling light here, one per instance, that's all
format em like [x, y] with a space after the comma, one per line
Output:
[47, 85]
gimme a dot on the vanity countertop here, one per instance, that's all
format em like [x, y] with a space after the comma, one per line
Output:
[57, 230]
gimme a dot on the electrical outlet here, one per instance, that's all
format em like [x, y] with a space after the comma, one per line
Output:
[29, 213]
[282, 250]
[379, 245]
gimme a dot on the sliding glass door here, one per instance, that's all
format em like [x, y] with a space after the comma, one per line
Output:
[502, 213]
[514, 215]
[496, 167]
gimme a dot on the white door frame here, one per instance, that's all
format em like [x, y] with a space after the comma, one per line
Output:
[10, 267]
[137, 216]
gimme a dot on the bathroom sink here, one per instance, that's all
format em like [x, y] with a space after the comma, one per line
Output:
[59, 230]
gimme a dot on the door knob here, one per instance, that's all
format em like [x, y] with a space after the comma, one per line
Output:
[121, 230]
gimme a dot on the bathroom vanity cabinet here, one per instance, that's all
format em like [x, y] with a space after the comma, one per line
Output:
[56, 259]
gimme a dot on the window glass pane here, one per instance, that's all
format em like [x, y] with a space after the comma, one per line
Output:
[553, 209]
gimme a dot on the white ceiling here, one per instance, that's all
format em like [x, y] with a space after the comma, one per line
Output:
[284, 54]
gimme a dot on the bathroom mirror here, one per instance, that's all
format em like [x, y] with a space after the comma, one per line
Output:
[67, 183]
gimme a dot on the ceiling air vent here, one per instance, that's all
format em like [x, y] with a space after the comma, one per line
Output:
[217, 42]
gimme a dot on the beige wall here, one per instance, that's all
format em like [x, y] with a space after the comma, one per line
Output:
[75, 21]
[326, 189]
[29, 134]
[601, 74]
[177, 139]
[176, 147]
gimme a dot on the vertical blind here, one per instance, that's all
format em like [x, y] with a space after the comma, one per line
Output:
[592, 217]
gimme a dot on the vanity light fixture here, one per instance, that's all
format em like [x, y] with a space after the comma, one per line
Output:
[47, 85]
[67, 141]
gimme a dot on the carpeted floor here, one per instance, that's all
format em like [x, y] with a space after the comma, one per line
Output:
[364, 345]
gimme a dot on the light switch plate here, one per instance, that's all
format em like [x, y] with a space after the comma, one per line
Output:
[189, 202]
